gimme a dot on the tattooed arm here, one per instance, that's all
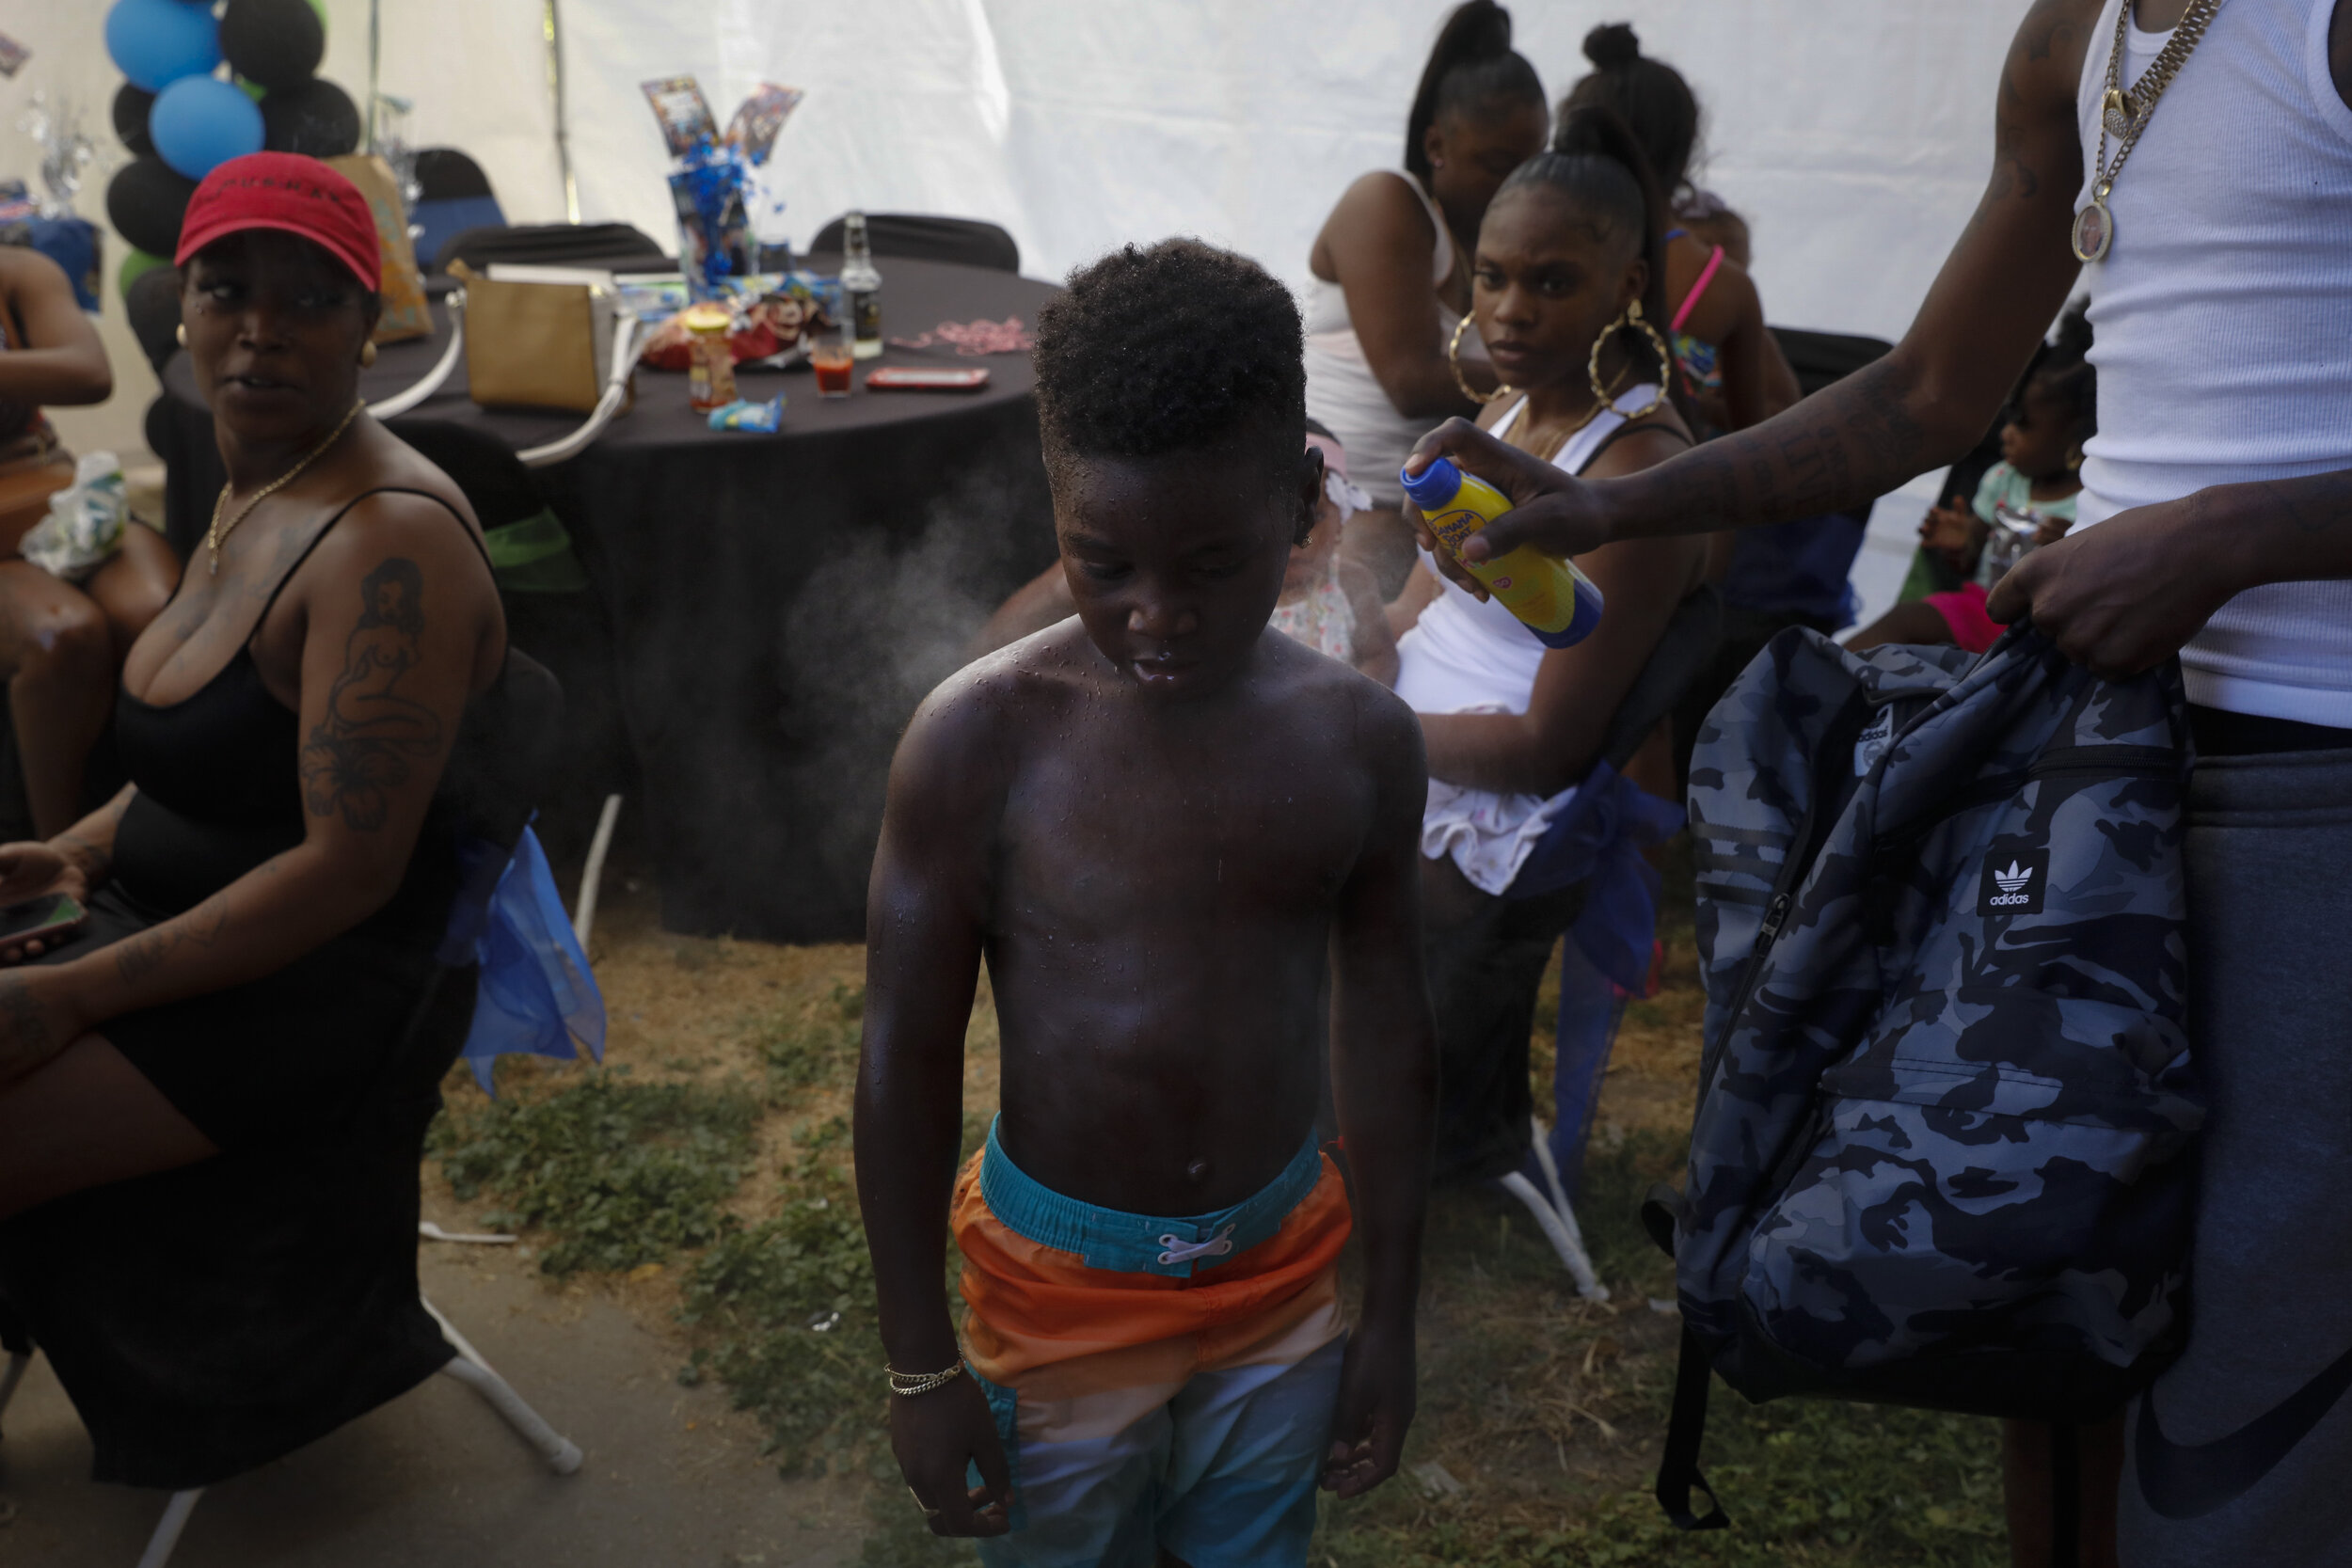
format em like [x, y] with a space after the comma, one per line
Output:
[1917, 409]
[379, 639]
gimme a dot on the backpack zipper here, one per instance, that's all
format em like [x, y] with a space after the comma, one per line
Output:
[2121, 762]
[1802, 850]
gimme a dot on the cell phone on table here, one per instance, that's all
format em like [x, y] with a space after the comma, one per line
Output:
[52, 918]
[907, 378]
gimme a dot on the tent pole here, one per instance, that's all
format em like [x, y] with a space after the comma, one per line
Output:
[554, 31]
[375, 62]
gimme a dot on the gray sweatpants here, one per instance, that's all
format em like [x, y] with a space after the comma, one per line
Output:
[2241, 1454]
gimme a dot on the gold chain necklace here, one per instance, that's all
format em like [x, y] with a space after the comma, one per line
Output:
[215, 535]
[2124, 114]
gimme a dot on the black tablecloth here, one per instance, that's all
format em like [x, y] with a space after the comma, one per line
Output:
[778, 604]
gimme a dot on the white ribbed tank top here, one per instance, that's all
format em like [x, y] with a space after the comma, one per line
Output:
[2222, 321]
[1466, 652]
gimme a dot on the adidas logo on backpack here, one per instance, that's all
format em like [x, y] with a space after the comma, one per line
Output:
[1946, 1087]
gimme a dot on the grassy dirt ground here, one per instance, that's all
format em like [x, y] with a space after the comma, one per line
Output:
[699, 1181]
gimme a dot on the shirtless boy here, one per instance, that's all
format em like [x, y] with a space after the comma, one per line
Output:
[1157, 822]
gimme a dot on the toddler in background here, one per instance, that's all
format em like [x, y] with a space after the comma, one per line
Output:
[2039, 476]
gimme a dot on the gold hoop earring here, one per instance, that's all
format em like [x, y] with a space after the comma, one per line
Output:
[366, 354]
[182, 332]
[1453, 362]
[1632, 321]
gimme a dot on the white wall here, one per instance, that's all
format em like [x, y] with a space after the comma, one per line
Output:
[1854, 133]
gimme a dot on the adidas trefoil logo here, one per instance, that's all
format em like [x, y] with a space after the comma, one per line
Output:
[2012, 885]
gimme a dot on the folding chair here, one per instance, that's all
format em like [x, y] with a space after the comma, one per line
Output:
[453, 196]
[921, 237]
[1683, 652]
[188, 1395]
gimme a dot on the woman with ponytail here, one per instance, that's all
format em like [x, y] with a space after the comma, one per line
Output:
[1391, 275]
[1565, 292]
[1730, 368]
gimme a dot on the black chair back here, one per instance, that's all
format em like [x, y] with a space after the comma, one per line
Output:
[971, 242]
[1684, 651]
[445, 174]
[152, 305]
[1821, 358]
[508, 749]
[618, 247]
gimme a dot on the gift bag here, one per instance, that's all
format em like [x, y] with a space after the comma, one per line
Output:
[405, 312]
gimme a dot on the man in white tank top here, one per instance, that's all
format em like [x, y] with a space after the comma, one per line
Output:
[2221, 487]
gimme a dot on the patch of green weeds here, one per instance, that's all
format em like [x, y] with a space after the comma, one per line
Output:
[785, 1314]
[618, 1172]
[814, 1044]
[1805, 1482]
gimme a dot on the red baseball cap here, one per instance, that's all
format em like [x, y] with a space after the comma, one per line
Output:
[285, 191]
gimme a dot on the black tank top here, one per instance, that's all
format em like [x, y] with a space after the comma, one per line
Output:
[218, 790]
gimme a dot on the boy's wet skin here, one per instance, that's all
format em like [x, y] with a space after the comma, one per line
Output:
[1169, 835]
[1155, 822]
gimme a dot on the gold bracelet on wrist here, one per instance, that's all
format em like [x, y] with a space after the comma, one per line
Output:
[908, 1385]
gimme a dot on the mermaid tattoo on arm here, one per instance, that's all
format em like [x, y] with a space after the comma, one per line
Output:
[360, 753]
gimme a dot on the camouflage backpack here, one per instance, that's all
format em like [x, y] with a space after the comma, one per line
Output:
[1937, 1155]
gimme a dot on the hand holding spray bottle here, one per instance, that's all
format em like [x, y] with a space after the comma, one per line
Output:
[1555, 601]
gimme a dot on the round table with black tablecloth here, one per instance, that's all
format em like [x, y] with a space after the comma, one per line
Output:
[777, 604]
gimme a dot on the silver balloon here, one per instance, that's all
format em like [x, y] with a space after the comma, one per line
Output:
[65, 151]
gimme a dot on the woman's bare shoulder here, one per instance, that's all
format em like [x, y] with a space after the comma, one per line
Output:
[1730, 301]
[24, 270]
[393, 530]
[1379, 210]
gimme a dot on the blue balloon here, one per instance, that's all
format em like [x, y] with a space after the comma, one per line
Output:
[200, 121]
[156, 42]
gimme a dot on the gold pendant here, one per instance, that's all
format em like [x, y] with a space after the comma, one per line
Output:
[2094, 231]
[2118, 114]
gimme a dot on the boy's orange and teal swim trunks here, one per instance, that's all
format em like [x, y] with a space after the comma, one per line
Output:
[1157, 1383]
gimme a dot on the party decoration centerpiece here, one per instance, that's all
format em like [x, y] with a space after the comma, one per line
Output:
[65, 152]
[711, 175]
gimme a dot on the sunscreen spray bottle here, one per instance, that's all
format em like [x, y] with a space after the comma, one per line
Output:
[1554, 600]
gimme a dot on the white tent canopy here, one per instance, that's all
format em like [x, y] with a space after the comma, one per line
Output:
[1854, 134]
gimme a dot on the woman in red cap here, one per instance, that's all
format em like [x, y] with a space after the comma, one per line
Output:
[61, 641]
[267, 895]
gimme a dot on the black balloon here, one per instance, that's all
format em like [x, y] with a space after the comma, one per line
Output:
[278, 43]
[146, 201]
[317, 118]
[154, 307]
[132, 102]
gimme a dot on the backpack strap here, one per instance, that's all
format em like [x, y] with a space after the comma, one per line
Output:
[1679, 1470]
[2066, 1491]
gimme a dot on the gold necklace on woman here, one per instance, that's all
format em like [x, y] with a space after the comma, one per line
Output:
[2124, 114]
[217, 534]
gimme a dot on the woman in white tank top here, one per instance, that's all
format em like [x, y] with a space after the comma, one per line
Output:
[1512, 728]
[1391, 275]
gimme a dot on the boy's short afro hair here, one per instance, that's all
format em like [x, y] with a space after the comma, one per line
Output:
[1171, 347]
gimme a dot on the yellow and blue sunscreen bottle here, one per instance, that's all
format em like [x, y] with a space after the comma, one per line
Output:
[1555, 601]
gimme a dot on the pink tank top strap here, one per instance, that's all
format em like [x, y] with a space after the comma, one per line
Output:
[1691, 300]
